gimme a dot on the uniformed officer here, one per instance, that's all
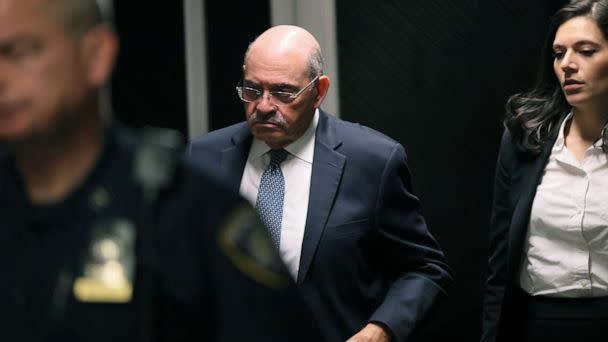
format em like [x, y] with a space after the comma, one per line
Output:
[106, 236]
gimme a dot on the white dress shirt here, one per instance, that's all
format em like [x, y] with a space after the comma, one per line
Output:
[566, 249]
[297, 170]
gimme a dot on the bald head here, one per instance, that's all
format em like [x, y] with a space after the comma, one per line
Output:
[287, 41]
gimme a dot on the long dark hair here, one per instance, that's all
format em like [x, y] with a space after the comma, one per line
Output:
[532, 117]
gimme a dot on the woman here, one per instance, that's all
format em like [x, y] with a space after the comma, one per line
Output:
[548, 266]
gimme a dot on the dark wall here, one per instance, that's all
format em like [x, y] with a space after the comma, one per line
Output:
[435, 75]
[149, 83]
[229, 32]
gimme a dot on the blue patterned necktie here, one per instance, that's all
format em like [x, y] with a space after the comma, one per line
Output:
[271, 192]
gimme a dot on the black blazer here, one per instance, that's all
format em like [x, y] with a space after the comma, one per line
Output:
[517, 177]
[367, 254]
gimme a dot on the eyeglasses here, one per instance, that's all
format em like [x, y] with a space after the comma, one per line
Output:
[248, 94]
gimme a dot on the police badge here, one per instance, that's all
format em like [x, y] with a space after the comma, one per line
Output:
[108, 270]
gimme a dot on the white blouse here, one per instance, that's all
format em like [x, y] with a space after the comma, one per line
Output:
[566, 248]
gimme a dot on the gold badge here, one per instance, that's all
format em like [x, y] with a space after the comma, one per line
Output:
[246, 242]
[108, 269]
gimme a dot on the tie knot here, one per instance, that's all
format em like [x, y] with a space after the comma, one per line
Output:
[277, 156]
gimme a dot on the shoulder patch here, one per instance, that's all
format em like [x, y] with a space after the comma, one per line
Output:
[246, 243]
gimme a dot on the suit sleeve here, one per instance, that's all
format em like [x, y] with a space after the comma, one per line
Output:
[498, 236]
[411, 257]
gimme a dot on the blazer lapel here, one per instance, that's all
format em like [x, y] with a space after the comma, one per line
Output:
[327, 168]
[530, 172]
[235, 156]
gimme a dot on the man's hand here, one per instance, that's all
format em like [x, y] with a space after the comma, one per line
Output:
[372, 332]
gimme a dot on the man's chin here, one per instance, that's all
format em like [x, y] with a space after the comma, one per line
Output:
[266, 129]
[272, 138]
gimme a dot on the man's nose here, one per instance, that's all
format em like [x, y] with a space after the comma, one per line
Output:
[264, 104]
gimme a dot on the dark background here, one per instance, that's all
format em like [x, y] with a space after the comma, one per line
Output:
[432, 74]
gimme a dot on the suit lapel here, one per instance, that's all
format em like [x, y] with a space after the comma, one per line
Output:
[327, 168]
[530, 173]
[235, 156]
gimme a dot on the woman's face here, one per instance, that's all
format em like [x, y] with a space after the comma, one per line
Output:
[581, 61]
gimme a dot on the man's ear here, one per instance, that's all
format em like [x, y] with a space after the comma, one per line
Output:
[322, 87]
[99, 50]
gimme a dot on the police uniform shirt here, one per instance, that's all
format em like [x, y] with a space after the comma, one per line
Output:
[42, 246]
[212, 280]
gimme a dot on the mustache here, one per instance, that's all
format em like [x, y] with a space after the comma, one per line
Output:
[275, 118]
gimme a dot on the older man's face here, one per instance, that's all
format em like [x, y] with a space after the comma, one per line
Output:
[276, 123]
[42, 76]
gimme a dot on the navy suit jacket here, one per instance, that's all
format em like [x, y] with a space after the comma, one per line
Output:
[367, 255]
[516, 180]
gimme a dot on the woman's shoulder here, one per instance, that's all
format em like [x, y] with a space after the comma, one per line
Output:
[509, 152]
[507, 143]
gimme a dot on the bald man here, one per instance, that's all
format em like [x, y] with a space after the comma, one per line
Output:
[336, 196]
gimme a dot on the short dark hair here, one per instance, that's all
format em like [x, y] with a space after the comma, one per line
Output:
[79, 16]
[533, 117]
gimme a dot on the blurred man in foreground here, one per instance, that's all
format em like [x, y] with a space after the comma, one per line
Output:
[107, 237]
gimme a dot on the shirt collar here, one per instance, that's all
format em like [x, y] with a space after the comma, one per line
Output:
[559, 142]
[599, 142]
[303, 148]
